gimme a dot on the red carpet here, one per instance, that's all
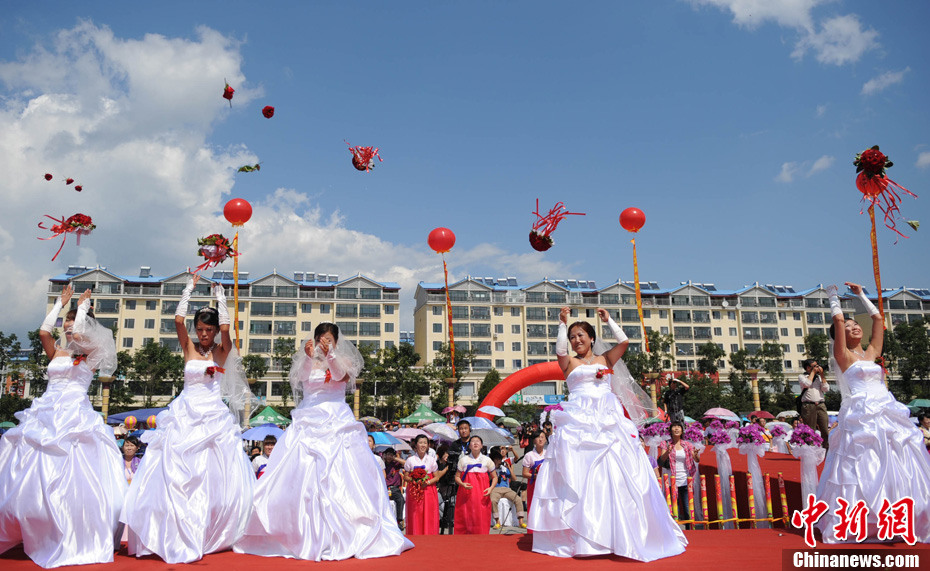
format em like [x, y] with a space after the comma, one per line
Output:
[711, 550]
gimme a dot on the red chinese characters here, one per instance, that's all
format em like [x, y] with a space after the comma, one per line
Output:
[851, 522]
[807, 517]
[897, 519]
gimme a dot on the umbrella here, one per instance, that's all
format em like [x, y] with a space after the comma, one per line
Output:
[384, 440]
[7, 424]
[922, 403]
[456, 408]
[721, 413]
[442, 431]
[140, 414]
[654, 420]
[260, 432]
[408, 433]
[761, 414]
[491, 410]
[689, 420]
[786, 414]
[423, 412]
[492, 437]
[372, 424]
[784, 425]
[479, 422]
[509, 422]
[269, 415]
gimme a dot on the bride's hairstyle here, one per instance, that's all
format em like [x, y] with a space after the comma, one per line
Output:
[588, 328]
[207, 316]
[324, 328]
[73, 313]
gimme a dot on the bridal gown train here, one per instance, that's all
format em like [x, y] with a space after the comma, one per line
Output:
[61, 475]
[322, 496]
[597, 493]
[875, 453]
[192, 492]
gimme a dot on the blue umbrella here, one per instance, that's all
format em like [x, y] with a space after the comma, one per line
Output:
[141, 414]
[385, 440]
[261, 431]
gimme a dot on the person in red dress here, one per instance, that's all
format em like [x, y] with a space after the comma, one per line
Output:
[422, 498]
[476, 477]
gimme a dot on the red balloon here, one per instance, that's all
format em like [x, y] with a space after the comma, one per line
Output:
[441, 240]
[237, 211]
[632, 219]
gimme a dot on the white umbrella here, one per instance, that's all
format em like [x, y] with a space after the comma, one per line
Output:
[492, 437]
[491, 410]
[442, 431]
[786, 414]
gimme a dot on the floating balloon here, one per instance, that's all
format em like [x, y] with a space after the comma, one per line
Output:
[130, 422]
[441, 240]
[238, 211]
[632, 219]
[150, 421]
[540, 235]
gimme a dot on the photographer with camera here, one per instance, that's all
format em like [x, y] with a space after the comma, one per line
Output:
[813, 388]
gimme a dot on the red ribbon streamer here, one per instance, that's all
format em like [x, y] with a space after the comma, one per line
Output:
[878, 188]
[546, 225]
[62, 229]
[639, 297]
[445, 272]
[878, 277]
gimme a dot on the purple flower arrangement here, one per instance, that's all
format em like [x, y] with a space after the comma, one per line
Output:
[648, 430]
[694, 433]
[715, 425]
[731, 424]
[719, 437]
[778, 431]
[662, 428]
[805, 436]
[750, 434]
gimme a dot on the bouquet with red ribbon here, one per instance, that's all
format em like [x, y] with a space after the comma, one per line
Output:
[420, 481]
[216, 248]
[79, 224]
[363, 158]
[540, 238]
[873, 182]
[214, 370]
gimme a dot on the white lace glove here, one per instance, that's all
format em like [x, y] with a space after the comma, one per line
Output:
[52, 318]
[835, 308]
[185, 299]
[221, 304]
[619, 335]
[869, 306]
[335, 367]
[561, 341]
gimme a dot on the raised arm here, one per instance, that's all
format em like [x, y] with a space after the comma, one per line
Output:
[839, 330]
[561, 340]
[616, 352]
[225, 340]
[48, 326]
[874, 349]
[180, 316]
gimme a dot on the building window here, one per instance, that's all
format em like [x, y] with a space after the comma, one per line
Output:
[437, 328]
[663, 314]
[147, 340]
[797, 316]
[536, 313]
[437, 345]
[388, 344]
[515, 346]
[306, 326]
[127, 342]
[171, 343]
[514, 312]
[480, 312]
[480, 330]
[369, 310]
[347, 327]
[731, 315]
[499, 346]
[734, 347]
[369, 329]
[798, 332]
[129, 323]
[306, 308]
[260, 327]
[259, 345]
[389, 328]
[130, 304]
[389, 309]
[262, 291]
[515, 329]
[498, 311]
[716, 314]
[459, 312]
[663, 330]
[151, 305]
[346, 310]
[498, 328]
[481, 348]
[325, 308]
[437, 310]
[262, 308]
[498, 363]
[149, 324]
[285, 327]
[718, 330]
[518, 363]
[784, 331]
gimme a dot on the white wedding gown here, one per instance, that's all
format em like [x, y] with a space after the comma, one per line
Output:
[61, 475]
[875, 453]
[597, 492]
[322, 496]
[192, 492]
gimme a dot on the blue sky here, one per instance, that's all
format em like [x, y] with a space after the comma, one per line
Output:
[731, 123]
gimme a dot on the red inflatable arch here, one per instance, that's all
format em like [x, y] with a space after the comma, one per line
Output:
[523, 378]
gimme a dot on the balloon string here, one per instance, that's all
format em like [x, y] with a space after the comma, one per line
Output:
[236, 291]
[445, 272]
[639, 297]
[878, 277]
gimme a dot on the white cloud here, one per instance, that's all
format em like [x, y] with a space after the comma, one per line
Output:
[887, 79]
[841, 40]
[752, 13]
[788, 170]
[130, 120]
[923, 160]
[821, 110]
[821, 164]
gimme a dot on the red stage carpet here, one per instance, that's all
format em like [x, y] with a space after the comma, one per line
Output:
[755, 549]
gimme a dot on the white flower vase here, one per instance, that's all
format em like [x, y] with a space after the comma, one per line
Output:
[725, 470]
[811, 457]
[753, 452]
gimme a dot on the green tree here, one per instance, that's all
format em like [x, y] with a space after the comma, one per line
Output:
[255, 366]
[709, 353]
[282, 355]
[738, 397]
[399, 384]
[658, 358]
[817, 347]
[11, 404]
[704, 394]
[36, 365]
[121, 394]
[491, 379]
[441, 369]
[522, 412]
[911, 350]
[9, 347]
[155, 367]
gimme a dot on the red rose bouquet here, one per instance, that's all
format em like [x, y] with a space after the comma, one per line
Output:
[228, 93]
[78, 224]
[216, 248]
[420, 481]
[363, 158]
[214, 370]
[540, 238]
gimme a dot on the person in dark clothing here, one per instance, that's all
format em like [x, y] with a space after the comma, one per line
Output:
[392, 477]
[674, 399]
[447, 489]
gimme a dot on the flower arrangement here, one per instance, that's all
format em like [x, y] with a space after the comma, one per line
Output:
[663, 428]
[872, 162]
[719, 438]
[694, 433]
[731, 424]
[750, 434]
[214, 370]
[420, 479]
[228, 93]
[540, 238]
[601, 373]
[79, 224]
[363, 158]
[804, 435]
[715, 425]
[216, 248]
[778, 431]
[648, 430]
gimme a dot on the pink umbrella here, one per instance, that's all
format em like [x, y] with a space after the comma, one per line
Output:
[408, 433]
[720, 412]
[448, 409]
[459, 408]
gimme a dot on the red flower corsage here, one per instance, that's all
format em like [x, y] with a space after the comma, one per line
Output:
[213, 370]
[601, 373]
[78, 359]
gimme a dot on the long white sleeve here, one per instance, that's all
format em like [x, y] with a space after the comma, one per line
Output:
[869, 306]
[619, 335]
[221, 304]
[185, 299]
[561, 341]
[52, 318]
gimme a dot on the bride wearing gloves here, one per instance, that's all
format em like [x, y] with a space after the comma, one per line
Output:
[322, 496]
[876, 454]
[61, 477]
[597, 492]
[192, 493]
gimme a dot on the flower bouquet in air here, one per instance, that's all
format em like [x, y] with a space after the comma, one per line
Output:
[419, 483]
[695, 435]
[807, 445]
[216, 249]
[77, 224]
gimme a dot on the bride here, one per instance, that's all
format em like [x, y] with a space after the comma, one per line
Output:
[597, 493]
[876, 453]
